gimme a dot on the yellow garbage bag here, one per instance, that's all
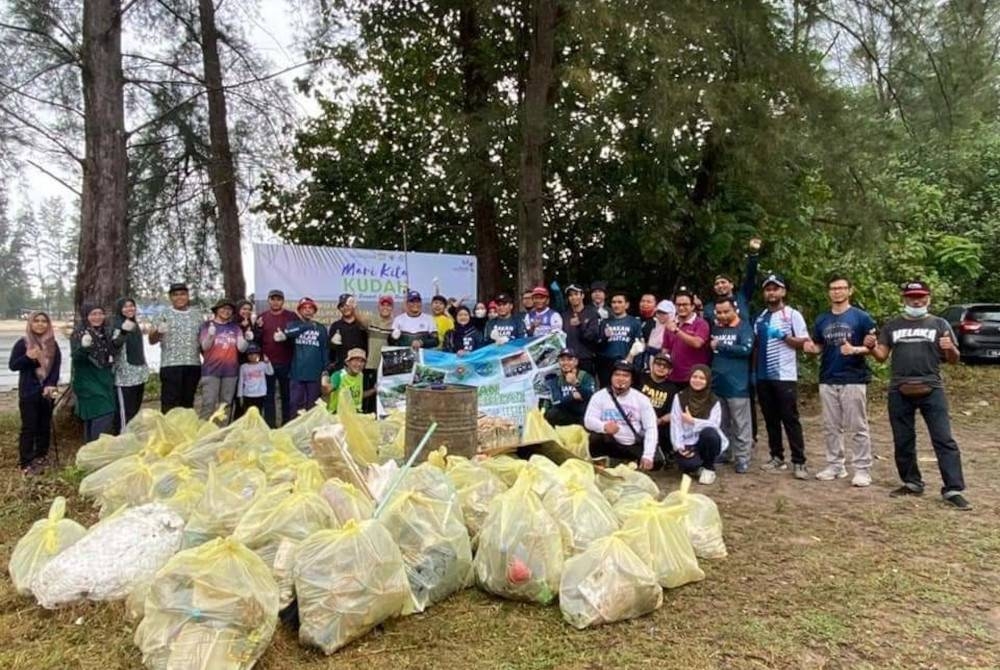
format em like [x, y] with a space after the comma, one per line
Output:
[477, 487]
[575, 440]
[606, 583]
[43, 541]
[520, 553]
[434, 543]
[229, 493]
[577, 470]
[177, 486]
[347, 501]
[613, 482]
[630, 497]
[248, 432]
[505, 467]
[213, 607]
[543, 473]
[703, 522]
[392, 437]
[106, 449]
[582, 513]
[300, 429]
[537, 429]
[184, 421]
[664, 538]
[127, 481]
[363, 433]
[348, 581]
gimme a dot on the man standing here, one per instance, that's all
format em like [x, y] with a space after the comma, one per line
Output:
[570, 391]
[279, 353]
[656, 385]
[310, 355]
[542, 319]
[619, 332]
[724, 285]
[621, 420]
[413, 328]
[379, 330]
[838, 336]
[581, 325]
[686, 339]
[918, 342]
[780, 330]
[347, 333]
[598, 296]
[505, 327]
[180, 359]
[732, 342]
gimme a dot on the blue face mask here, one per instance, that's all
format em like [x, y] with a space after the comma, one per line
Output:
[915, 312]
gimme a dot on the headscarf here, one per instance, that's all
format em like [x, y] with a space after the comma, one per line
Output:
[699, 404]
[45, 343]
[461, 332]
[100, 351]
[135, 354]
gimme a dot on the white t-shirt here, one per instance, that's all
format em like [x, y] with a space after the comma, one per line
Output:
[777, 360]
[637, 408]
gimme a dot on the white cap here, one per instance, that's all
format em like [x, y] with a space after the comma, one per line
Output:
[667, 307]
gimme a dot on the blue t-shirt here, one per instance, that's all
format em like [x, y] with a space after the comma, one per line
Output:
[832, 330]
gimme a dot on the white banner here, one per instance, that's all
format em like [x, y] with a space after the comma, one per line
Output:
[323, 273]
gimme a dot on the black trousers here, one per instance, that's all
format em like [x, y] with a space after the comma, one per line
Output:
[277, 384]
[368, 380]
[247, 403]
[704, 452]
[779, 403]
[36, 429]
[902, 419]
[602, 444]
[560, 416]
[128, 400]
[178, 384]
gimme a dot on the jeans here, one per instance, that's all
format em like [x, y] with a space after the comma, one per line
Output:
[92, 428]
[304, 395]
[129, 400]
[736, 424]
[178, 384]
[845, 416]
[779, 403]
[36, 429]
[902, 418]
[277, 383]
[704, 452]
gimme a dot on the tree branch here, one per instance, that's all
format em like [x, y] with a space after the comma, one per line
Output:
[44, 171]
[41, 130]
[41, 101]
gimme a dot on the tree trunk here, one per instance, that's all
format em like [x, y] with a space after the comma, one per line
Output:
[102, 270]
[476, 82]
[534, 134]
[221, 170]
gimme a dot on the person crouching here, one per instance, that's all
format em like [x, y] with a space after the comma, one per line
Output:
[621, 420]
[696, 417]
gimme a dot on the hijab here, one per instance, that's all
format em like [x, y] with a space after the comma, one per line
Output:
[135, 354]
[45, 343]
[699, 404]
[100, 351]
[460, 331]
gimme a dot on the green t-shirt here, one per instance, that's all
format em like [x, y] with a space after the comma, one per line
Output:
[343, 379]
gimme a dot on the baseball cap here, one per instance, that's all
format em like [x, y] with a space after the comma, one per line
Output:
[356, 352]
[177, 287]
[306, 302]
[599, 286]
[916, 287]
[386, 300]
[567, 352]
[666, 306]
[540, 290]
[574, 287]
[622, 365]
[252, 348]
[774, 278]
[503, 298]
[342, 300]
[413, 296]
[276, 293]
[723, 275]
[223, 302]
[663, 356]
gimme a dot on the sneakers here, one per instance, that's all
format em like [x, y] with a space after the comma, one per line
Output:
[774, 465]
[800, 471]
[905, 490]
[707, 477]
[958, 501]
[861, 478]
[831, 472]
[742, 467]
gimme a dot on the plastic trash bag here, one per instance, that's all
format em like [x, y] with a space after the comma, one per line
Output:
[300, 429]
[477, 487]
[606, 583]
[43, 542]
[629, 498]
[664, 538]
[537, 429]
[505, 467]
[613, 482]
[520, 554]
[348, 581]
[432, 538]
[229, 493]
[703, 522]
[219, 444]
[392, 437]
[544, 474]
[363, 434]
[107, 449]
[335, 457]
[184, 422]
[575, 469]
[115, 556]
[213, 607]
[127, 481]
[347, 501]
[582, 513]
[177, 486]
[575, 440]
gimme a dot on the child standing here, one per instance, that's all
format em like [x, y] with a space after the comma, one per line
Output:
[349, 377]
[36, 357]
[252, 387]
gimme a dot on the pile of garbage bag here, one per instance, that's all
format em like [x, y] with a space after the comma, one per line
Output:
[210, 532]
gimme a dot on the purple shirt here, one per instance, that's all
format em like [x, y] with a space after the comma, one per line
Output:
[222, 358]
[683, 355]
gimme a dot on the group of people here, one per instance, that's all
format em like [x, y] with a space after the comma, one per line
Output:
[677, 382]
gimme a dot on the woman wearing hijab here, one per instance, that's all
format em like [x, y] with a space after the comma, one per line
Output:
[129, 367]
[36, 358]
[92, 352]
[696, 417]
[464, 337]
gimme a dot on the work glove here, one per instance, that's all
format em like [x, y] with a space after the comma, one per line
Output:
[336, 340]
[128, 325]
[503, 340]
[279, 335]
[602, 312]
[396, 333]
[86, 341]
[248, 335]
[637, 348]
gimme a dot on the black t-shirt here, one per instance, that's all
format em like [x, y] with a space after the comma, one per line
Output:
[660, 394]
[916, 356]
[352, 336]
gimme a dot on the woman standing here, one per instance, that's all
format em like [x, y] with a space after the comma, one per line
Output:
[130, 367]
[91, 350]
[36, 357]
[695, 427]
[465, 337]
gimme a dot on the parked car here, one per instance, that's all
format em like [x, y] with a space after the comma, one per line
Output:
[977, 327]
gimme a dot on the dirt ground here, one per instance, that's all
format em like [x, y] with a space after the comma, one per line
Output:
[819, 576]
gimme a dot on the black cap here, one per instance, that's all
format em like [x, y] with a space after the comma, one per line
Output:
[342, 300]
[599, 286]
[224, 302]
[252, 348]
[276, 293]
[567, 352]
[503, 297]
[663, 356]
[774, 278]
[622, 365]
[177, 287]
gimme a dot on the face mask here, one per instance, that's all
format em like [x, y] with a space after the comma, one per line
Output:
[480, 313]
[647, 313]
[915, 312]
